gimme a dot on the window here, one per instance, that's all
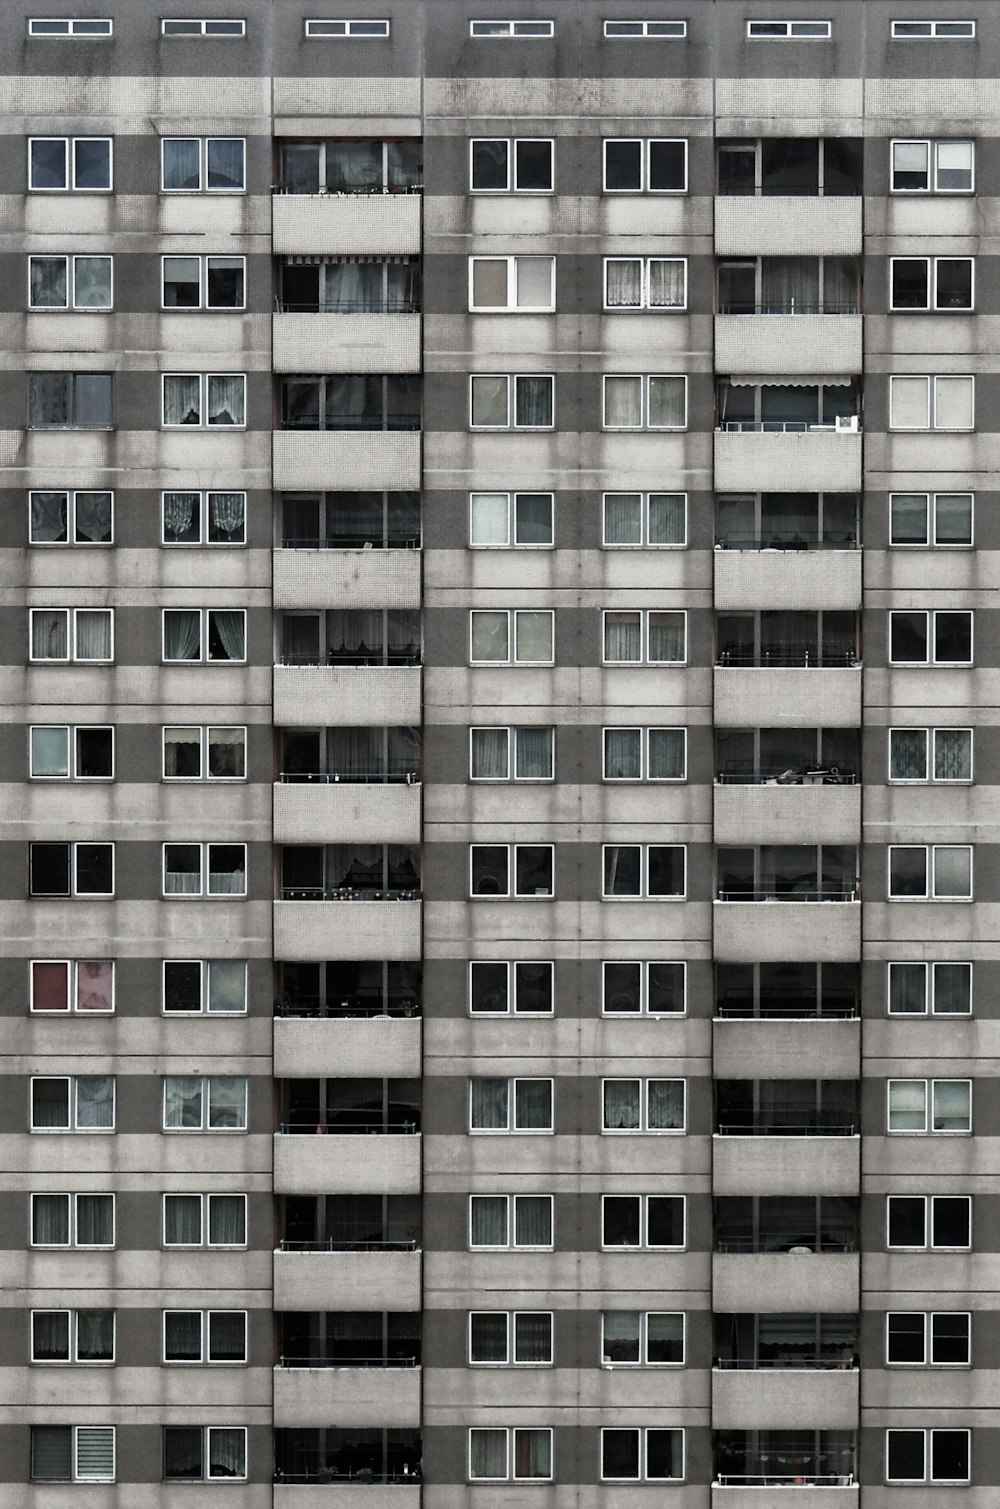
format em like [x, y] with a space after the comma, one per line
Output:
[929, 1105]
[510, 519]
[347, 28]
[518, 987]
[72, 1220]
[73, 1336]
[514, 284]
[204, 985]
[205, 1336]
[351, 401]
[940, 519]
[493, 28]
[211, 518]
[69, 27]
[518, 636]
[82, 282]
[652, 1338]
[73, 1103]
[645, 754]
[510, 1105]
[509, 1455]
[516, 1221]
[203, 28]
[204, 1453]
[204, 282]
[349, 285]
[78, 163]
[644, 870]
[76, 752]
[353, 165]
[651, 986]
[930, 283]
[780, 29]
[645, 28]
[204, 634]
[511, 754]
[204, 1220]
[204, 869]
[510, 1338]
[928, 1456]
[644, 1105]
[350, 520]
[519, 402]
[85, 635]
[937, 1338]
[70, 401]
[635, 165]
[72, 985]
[932, 167]
[515, 165]
[204, 164]
[645, 403]
[645, 519]
[645, 282]
[936, 638]
[643, 1221]
[198, 1103]
[936, 989]
[930, 872]
[494, 867]
[930, 754]
[72, 1453]
[70, 518]
[940, 29]
[652, 638]
[204, 399]
[929, 1222]
[76, 869]
[639, 1454]
[215, 752]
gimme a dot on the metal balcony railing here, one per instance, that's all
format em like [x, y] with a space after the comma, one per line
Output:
[806, 893]
[372, 775]
[791, 654]
[785, 539]
[755, 1128]
[321, 1006]
[791, 306]
[781, 1241]
[786, 426]
[334, 1361]
[785, 1480]
[349, 1128]
[359, 1244]
[346, 893]
[826, 775]
[792, 1362]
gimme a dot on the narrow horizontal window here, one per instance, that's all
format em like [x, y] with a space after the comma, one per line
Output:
[71, 869]
[204, 634]
[197, 986]
[84, 635]
[510, 1338]
[510, 1221]
[517, 636]
[645, 402]
[644, 1221]
[644, 1105]
[72, 1453]
[193, 28]
[204, 1220]
[938, 1338]
[204, 870]
[71, 752]
[932, 166]
[525, 285]
[644, 870]
[204, 1454]
[647, 1338]
[347, 28]
[516, 1455]
[197, 282]
[644, 637]
[645, 283]
[929, 1222]
[72, 1220]
[645, 520]
[512, 28]
[70, 401]
[661, 29]
[511, 754]
[930, 754]
[780, 29]
[76, 1336]
[939, 637]
[70, 164]
[203, 164]
[69, 26]
[931, 283]
[70, 282]
[204, 399]
[645, 165]
[635, 986]
[205, 1336]
[523, 402]
[198, 1103]
[638, 1454]
[645, 754]
[210, 518]
[518, 870]
[930, 872]
[928, 1456]
[943, 30]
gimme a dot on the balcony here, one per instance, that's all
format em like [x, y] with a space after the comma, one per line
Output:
[303, 1494]
[346, 224]
[749, 579]
[783, 1165]
[820, 810]
[783, 1493]
[776, 225]
[306, 342]
[824, 1397]
[376, 1277]
[764, 930]
[331, 578]
[347, 930]
[305, 460]
[786, 696]
[363, 1396]
[344, 1164]
[788, 344]
[379, 1047]
[761, 1048]
[785, 1282]
[795, 460]
[324, 810]
[310, 696]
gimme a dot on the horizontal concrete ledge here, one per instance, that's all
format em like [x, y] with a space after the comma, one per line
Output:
[788, 1496]
[785, 1282]
[313, 696]
[347, 1047]
[787, 814]
[787, 696]
[774, 1048]
[341, 1495]
[803, 579]
[346, 224]
[347, 929]
[768, 1398]
[375, 1280]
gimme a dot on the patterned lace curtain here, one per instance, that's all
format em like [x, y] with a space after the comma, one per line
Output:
[226, 512]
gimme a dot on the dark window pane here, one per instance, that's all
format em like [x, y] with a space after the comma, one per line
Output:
[182, 1452]
[949, 1455]
[908, 637]
[94, 869]
[49, 866]
[668, 165]
[533, 987]
[94, 751]
[666, 988]
[534, 870]
[620, 1454]
[664, 1453]
[489, 164]
[533, 164]
[951, 1221]
[623, 164]
[910, 284]
[490, 870]
[666, 870]
[953, 637]
[622, 987]
[905, 1455]
[665, 1221]
[907, 1221]
[621, 1221]
[905, 1338]
[182, 985]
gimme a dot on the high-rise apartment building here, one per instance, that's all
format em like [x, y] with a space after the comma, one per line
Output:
[500, 902]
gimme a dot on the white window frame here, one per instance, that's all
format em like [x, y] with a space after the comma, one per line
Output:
[932, 541]
[71, 658]
[512, 732]
[643, 614]
[512, 1129]
[930, 1091]
[643, 1360]
[204, 893]
[644, 379]
[932, 143]
[510, 1434]
[513, 614]
[511, 1360]
[644, 1245]
[203, 258]
[927, 1245]
[511, 542]
[932, 306]
[930, 968]
[644, 778]
[72, 729]
[511, 893]
[72, 989]
[206, 1199]
[656, 30]
[512, 306]
[72, 1321]
[73, 1125]
[932, 380]
[511, 991]
[511, 1244]
[205, 496]
[930, 758]
[204, 1359]
[644, 305]
[928, 1317]
[799, 31]
[72, 1223]
[71, 259]
[206, 1092]
[204, 421]
[928, 1434]
[70, 26]
[643, 1432]
[930, 873]
[74, 893]
[643, 966]
[644, 542]
[72, 493]
[644, 174]
[207, 1475]
[203, 142]
[203, 658]
[932, 32]
[70, 186]
[512, 185]
[205, 993]
[644, 891]
[319, 29]
[204, 730]
[522, 31]
[930, 614]
[192, 27]
[644, 1129]
[512, 379]
[75, 1474]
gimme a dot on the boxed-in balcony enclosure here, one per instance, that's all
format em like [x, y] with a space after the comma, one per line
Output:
[350, 1223]
[799, 432]
[747, 1342]
[798, 1224]
[786, 1107]
[790, 166]
[363, 756]
[351, 637]
[347, 1455]
[786, 756]
[788, 872]
[349, 989]
[349, 520]
[785, 1458]
[784, 638]
[787, 990]
[793, 521]
[784, 316]
[350, 1107]
[350, 872]
[349, 1339]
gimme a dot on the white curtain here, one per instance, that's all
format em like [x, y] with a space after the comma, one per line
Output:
[95, 1101]
[227, 985]
[622, 754]
[490, 1105]
[227, 1102]
[623, 637]
[667, 523]
[50, 634]
[227, 1220]
[95, 1335]
[667, 282]
[623, 403]
[624, 283]
[226, 512]
[227, 1452]
[533, 754]
[621, 1105]
[181, 398]
[487, 1453]
[665, 1105]
[181, 516]
[182, 870]
[227, 1336]
[182, 1219]
[623, 518]
[532, 1105]
[227, 398]
[953, 403]
[488, 518]
[93, 517]
[93, 633]
[227, 869]
[182, 1335]
[226, 752]
[490, 754]
[50, 1220]
[50, 1336]
[182, 1101]
[49, 512]
[95, 1220]
[182, 634]
[230, 625]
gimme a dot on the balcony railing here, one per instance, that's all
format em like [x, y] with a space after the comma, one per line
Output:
[361, 188]
[350, 1128]
[391, 657]
[807, 893]
[372, 775]
[330, 1477]
[352, 1007]
[781, 1242]
[348, 1362]
[360, 1244]
[349, 542]
[828, 775]
[785, 1480]
[754, 1128]
[785, 539]
[790, 306]
[792, 1361]
[849, 426]
[349, 306]
[346, 893]
[806, 655]
[774, 1008]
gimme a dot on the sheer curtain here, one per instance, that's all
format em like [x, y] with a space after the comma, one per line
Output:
[181, 398]
[622, 754]
[347, 402]
[908, 754]
[666, 754]
[50, 1336]
[533, 1220]
[621, 1105]
[48, 517]
[226, 512]
[667, 280]
[624, 283]
[490, 754]
[182, 1101]
[49, 634]
[533, 401]
[623, 637]
[665, 1105]
[227, 398]
[667, 523]
[230, 625]
[666, 638]
[623, 518]
[95, 1335]
[50, 1220]
[353, 165]
[93, 633]
[487, 1453]
[403, 753]
[227, 870]
[227, 1220]
[95, 1101]
[95, 1220]
[227, 1102]
[353, 287]
[182, 1336]
[952, 754]
[93, 517]
[532, 1453]
[490, 1105]
[487, 1221]
[180, 516]
[182, 634]
[789, 285]
[227, 985]
[533, 754]
[623, 403]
